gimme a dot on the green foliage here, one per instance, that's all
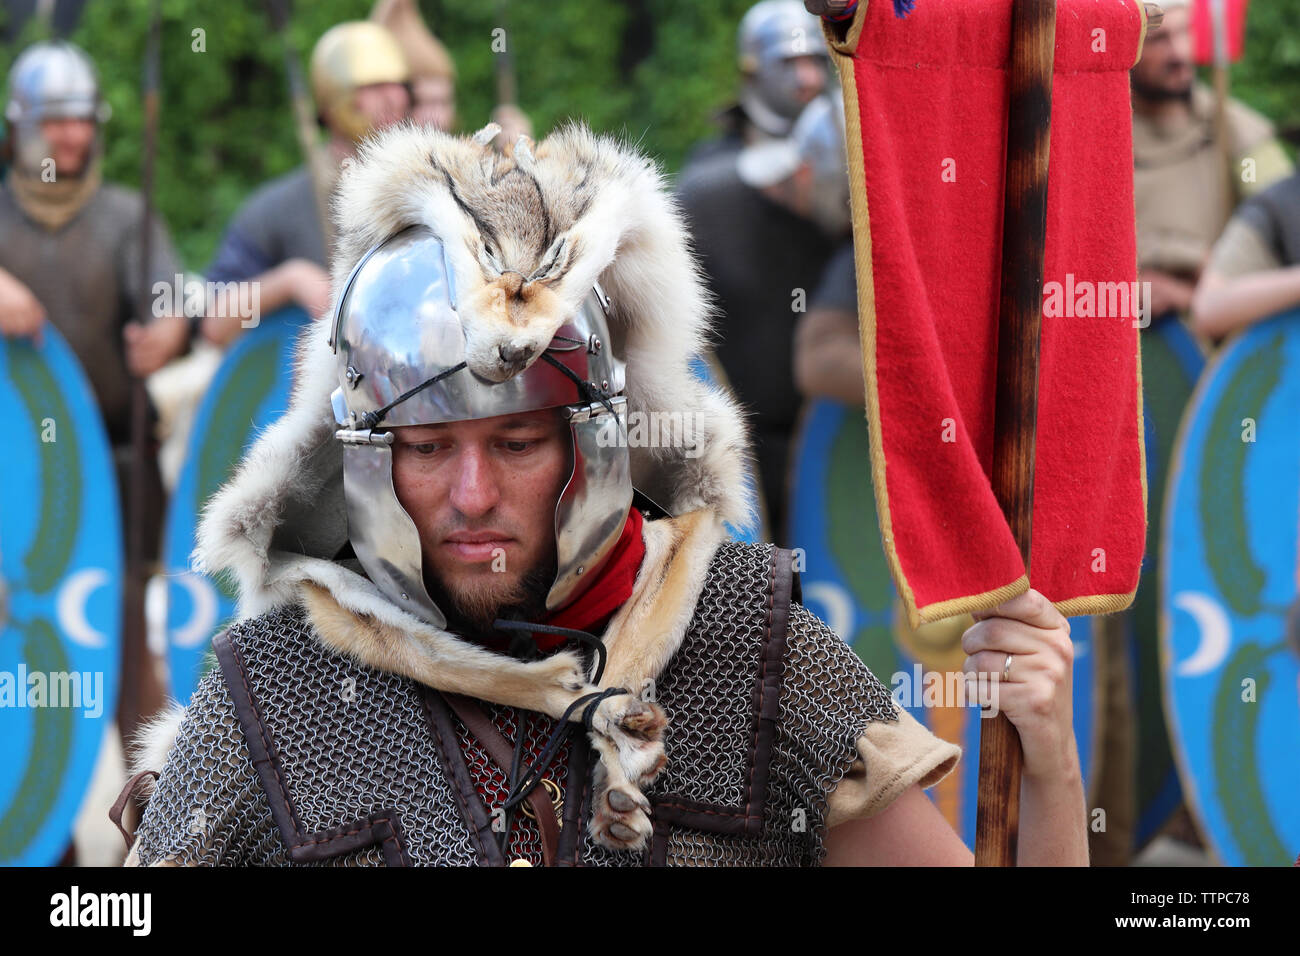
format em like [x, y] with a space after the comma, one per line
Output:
[1268, 75]
[652, 70]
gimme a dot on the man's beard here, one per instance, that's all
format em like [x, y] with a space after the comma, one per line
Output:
[1152, 93]
[472, 612]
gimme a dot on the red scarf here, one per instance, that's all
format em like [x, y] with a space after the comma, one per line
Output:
[606, 594]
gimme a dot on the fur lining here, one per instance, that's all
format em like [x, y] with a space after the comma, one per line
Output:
[152, 742]
[641, 638]
[543, 225]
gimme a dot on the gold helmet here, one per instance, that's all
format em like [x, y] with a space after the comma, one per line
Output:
[349, 56]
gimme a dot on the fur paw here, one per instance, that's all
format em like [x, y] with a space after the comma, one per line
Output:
[635, 728]
[620, 816]
[564, 671]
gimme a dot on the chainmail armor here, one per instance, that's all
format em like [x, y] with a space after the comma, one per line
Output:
[208, 808]
[525, 838]
[352, 741]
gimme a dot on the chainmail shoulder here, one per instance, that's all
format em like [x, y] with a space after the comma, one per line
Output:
[712, 690]
[208, 808]
[350, 741]
[828, 697]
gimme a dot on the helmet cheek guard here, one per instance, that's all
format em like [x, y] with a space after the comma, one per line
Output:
[401, 349]
[588, 517]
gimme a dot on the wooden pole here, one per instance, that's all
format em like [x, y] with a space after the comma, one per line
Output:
[1020, 312]
[503, 64]
[1219, 26]
[141, 696]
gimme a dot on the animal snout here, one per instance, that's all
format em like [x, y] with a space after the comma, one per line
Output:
[515, 357]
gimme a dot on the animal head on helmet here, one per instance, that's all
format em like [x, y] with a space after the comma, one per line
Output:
[53, 90]
[783, 61]
[348, 59]
[401, 350]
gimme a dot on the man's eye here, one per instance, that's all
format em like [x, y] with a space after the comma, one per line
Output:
[424, 448]
[519, 446]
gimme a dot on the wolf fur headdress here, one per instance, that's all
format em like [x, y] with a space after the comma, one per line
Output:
[526, 236]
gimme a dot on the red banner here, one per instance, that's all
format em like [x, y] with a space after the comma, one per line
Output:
[1203, 29]
[926, 110]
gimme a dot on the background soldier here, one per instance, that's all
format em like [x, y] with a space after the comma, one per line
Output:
[70, 248]
[1181, 183]
[433, 73]
[765, 220]
[70, 243]
[360, 80]
[783, 67]
[1252, 271]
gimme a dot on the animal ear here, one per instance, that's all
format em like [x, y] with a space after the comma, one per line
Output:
[554, 259]
[522, 153]
[488, 133]
[488, 258]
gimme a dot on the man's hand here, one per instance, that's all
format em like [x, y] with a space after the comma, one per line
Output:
[21, 315]
[150, 347]
[1037, 695]
[1168, 292]
[310, 285]
[300, 281]
[822, 8]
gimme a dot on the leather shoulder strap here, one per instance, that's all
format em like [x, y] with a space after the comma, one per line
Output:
[502, 754]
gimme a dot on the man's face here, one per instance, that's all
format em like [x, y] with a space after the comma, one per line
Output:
[69, 142]
[435, 102]
[1167, 69]
[382, 104]
[809, 73]
[482, 494]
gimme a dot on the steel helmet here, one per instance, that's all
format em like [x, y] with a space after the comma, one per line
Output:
[401, 352]
[771, 33]
[53, 80]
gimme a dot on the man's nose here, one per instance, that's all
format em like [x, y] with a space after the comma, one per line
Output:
[475, 491]
[812, 76]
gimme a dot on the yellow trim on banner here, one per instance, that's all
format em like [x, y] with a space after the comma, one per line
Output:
[1142, 34]
[916, 616]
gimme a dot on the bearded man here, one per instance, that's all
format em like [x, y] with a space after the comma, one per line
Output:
[468, 633]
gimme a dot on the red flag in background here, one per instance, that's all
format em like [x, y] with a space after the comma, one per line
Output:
[926, 103]
[1203, 28]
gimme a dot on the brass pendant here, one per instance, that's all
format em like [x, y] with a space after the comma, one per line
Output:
[556, 796]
